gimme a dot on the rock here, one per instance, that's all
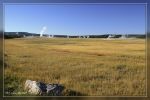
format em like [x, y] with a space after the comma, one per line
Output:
[33, 87]
[40, 88]
[54, 89]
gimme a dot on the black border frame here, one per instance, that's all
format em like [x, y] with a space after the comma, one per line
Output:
[76, 1]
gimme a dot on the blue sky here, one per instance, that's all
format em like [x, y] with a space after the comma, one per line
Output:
[76, 19]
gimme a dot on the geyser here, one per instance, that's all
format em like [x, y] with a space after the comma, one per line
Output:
[42, 31]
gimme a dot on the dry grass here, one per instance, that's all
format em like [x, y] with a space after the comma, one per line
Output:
[89, 66]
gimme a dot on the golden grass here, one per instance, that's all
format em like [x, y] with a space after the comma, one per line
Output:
[93, 67]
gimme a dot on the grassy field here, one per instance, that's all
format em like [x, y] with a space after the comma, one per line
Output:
[88, 67]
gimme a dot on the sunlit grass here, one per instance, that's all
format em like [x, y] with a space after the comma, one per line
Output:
[89, 66]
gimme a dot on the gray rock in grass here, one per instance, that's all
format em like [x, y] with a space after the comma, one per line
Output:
[40, 88]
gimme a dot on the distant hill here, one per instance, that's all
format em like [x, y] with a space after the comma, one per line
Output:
[8, 35]
[18, 34]
[136, 36]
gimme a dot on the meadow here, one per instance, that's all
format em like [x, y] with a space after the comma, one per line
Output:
[86, 67]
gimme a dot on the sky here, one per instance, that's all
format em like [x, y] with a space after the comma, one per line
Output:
[76, 19]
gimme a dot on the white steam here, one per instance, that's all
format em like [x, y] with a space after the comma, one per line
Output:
[43, 30]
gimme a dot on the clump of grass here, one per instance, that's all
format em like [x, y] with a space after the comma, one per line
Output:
[12, 85]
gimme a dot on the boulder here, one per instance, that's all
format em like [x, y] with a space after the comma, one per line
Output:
[32, 87]
[40, 88]
[54, 89]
